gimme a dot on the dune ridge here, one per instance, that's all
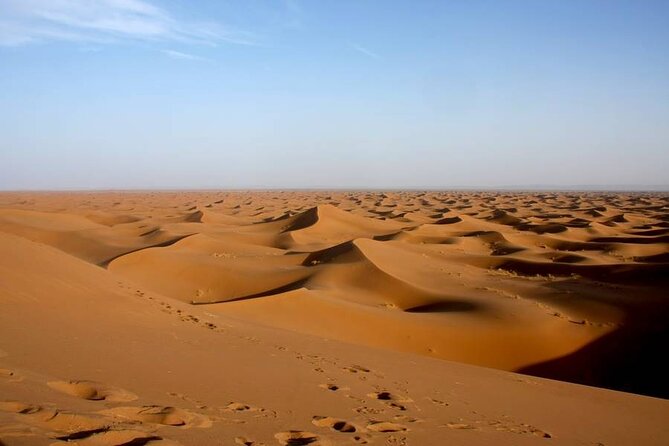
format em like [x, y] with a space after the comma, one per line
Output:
[90, 358]
[570, 286]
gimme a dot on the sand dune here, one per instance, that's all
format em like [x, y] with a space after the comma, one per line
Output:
[201, 269]
[326, 226]
[80, 236]
[330, 317]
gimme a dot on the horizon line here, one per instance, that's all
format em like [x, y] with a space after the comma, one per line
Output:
[504, 188]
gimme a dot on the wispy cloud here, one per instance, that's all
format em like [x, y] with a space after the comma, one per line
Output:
[365, 51]
[182, 56]
[105, 21]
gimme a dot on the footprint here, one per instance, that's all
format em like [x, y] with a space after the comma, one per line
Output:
[64, 425]
[356, 369]
[333, 423]
[521, 428]
[165, 415]
[333, 387]
[387, 396]
[110, 437]
[296, 438]
[367, 410]
[199, 404]
[392, 399]
[407, 419]
[460, 426]
[540, 433]
[385, 426]
[397, 406]
[17, 407]
[238, 407]
[10, 376]
[90, 390]
[381, 395]
[437, 402]
[362, 438]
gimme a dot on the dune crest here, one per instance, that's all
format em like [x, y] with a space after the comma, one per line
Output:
[487, 269]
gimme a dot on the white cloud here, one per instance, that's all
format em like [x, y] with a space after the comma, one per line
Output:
[365, 51]
[182, 56]
[105, 21]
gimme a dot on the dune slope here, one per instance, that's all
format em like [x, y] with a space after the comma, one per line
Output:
[561, 285]
[89, 358]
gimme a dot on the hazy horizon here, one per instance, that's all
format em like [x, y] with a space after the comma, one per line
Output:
[503, 188]
[157, 94]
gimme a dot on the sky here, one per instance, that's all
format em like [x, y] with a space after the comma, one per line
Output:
[146, 94]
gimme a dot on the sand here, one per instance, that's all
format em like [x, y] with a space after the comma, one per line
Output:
[333, 318]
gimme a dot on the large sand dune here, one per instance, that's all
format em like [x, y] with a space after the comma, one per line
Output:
[332, 318]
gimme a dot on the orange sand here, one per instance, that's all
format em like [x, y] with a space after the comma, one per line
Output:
[332, 318]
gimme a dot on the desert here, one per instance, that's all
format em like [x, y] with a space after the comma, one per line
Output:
[334, 223]
[333, 317]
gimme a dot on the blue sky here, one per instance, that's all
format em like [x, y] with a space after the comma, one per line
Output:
[346, 94]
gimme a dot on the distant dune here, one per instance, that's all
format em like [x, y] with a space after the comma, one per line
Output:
[333, 317]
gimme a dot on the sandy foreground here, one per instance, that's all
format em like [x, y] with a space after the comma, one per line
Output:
[333, 318]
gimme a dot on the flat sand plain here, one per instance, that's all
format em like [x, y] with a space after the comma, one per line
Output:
[333, 318]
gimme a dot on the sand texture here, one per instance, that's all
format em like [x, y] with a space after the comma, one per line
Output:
[333, 318]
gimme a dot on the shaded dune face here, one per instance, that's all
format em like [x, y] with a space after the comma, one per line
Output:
[564, 285]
